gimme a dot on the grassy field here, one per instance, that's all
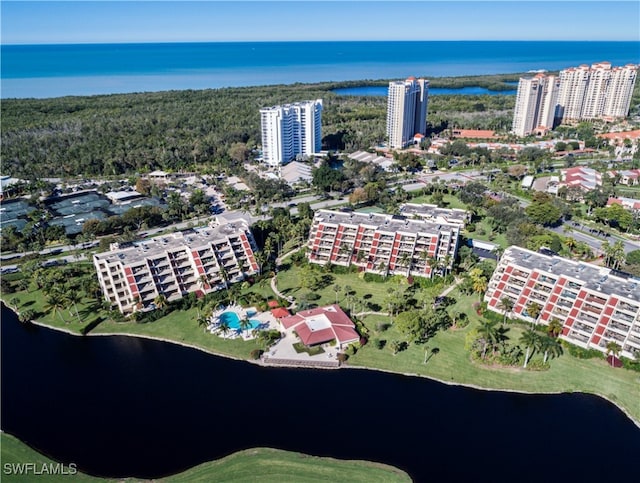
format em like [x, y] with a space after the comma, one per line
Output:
[367, 295]
[452, 364]
[450, 201]
[259, 464]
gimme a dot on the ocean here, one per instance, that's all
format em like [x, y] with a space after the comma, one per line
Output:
[42, 71]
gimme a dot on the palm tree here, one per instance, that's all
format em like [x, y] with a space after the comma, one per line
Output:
[613, 349]
[224, 328]
[531, 341]
[73, 297]
[555, 327]
[550, 346]
[396, 345]
[534, 309]
[506, 304]
[55, 303]
[489, 334]
[160, 301]
[203, 281]
[14, 302]
[224, 275]
[245, 325]
[203, 321]
[337, 288]
[26, 315]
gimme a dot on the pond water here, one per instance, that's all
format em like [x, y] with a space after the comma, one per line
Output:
[122, 406]
[433, 91]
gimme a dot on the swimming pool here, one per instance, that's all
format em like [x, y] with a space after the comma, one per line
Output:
[233, 321]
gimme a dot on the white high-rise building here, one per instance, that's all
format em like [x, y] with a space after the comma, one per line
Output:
[406, 111]
[535, 104]
[623, 81]
[596, 92]
[290, 130]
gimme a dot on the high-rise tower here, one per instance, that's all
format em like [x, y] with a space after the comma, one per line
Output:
[290, 130]
[535, 104]
[406, 111]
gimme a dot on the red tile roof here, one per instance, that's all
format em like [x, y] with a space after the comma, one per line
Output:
[322, 324]
[280, 312]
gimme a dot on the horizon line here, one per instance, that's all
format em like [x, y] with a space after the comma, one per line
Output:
[3, 44]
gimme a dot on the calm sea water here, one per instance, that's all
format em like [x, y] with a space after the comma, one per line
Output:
[122, 406]
[83, 69]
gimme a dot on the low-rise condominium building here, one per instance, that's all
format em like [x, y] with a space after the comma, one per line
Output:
[595, 305]
[383, 243]
[203, 259]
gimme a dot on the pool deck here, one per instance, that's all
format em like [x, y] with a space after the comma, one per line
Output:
[266, 319]
[282, 353]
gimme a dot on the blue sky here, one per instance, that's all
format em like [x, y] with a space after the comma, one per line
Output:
[28, 22]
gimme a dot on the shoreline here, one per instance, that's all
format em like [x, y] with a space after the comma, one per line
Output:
[347, 366]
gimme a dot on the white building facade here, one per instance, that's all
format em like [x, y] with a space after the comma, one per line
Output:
[597, 92]
[203, 259]
[407, 104]
[291, 130]
[535, 104]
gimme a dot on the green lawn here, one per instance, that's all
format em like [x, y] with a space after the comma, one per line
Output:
[453, 364]
[259, 464]
[367, 294]
[497, 238]
[450, 201]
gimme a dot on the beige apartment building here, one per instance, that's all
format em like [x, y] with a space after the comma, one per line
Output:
[203, 259]
[595, 305]
[386, 244]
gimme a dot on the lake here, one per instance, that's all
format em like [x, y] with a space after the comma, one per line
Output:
[121, 406]
[433, 91]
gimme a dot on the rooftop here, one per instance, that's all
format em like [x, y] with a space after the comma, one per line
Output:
[322, 324]
[383, 222]
[600, 279]
[435, 213]
[191, 240]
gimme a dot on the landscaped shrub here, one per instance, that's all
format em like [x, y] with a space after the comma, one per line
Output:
[342, 357]
[581, 353]
[382, 326]
[351, 350]
[342, 270]
[537, 365]
[630, 364]
[374, 277]
[379, 343]
[256, 354]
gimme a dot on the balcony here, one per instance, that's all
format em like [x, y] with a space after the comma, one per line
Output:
[627, 307]
[622, 316]
[614, 335]
[577, 336]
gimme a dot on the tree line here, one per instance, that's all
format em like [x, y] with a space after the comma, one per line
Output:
[212, 129]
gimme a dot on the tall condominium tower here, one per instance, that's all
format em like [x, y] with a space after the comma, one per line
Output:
[535, 104]
[406, 111]
[291, 130]
[596, 92]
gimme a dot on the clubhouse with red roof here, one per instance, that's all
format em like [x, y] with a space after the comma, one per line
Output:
[322, 324]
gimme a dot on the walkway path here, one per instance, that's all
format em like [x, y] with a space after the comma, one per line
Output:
[274, 279]
[449, 289]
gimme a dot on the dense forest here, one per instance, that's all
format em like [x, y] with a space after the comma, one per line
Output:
[210, 129]
[213, 130]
